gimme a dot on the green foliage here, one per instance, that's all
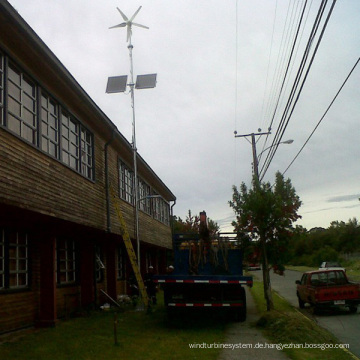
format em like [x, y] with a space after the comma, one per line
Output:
[267, 212]
[318, 245]
[192, 225]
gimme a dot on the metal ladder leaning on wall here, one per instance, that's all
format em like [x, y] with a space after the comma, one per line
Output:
[130, 250]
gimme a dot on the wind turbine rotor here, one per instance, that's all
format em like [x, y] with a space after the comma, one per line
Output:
[135, 13]
[117, 26]
[128, 23]
[139, 25]
[123, 15]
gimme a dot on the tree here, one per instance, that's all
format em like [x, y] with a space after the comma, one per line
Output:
[192, 225]
[265, 214]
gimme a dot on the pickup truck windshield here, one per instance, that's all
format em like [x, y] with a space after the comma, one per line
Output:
[328, 278]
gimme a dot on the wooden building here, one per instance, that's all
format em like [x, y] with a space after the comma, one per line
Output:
[59, 154]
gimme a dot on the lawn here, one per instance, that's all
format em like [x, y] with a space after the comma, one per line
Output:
[286, 325]
[152, 337]
[140, 336]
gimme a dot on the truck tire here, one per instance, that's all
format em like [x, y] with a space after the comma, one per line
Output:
[171, 314]
[241, 312]
[353, 309]
[301, 303]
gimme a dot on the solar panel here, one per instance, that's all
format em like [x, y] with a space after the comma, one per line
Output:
[145, 81]
[116, 84]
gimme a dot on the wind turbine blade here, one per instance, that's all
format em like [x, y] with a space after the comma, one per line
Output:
[136, 12]
[117, 26]
[139, 25]
[123, 15]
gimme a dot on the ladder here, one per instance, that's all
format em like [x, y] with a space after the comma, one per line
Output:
[130, 250]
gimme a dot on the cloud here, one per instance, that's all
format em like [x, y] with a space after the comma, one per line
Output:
[342, 198]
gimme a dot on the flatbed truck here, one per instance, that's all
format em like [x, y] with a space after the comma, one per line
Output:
[207, 273]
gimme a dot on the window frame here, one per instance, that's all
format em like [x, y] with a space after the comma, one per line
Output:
[144, 196]
[2, 88]
[66, 265]
[80, 153]
[27, 131]
[99, 264]
[126, 183]
[46, 122]
[12, 254]
[120, 263]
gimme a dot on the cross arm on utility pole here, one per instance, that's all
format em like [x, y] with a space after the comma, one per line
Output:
[253, 144]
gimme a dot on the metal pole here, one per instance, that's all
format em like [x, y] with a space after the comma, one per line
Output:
[132, 85]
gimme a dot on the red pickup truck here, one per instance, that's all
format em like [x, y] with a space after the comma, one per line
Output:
[328, 289]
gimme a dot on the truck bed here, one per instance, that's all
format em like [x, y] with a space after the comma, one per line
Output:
[207, 274]
[328, 289]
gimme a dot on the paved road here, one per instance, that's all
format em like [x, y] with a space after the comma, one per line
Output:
[345, 326]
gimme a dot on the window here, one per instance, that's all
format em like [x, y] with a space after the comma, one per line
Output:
[1, 89]
[99, 264]
[49, 126]
[86, 153]
[120, 263]
[14, 260]
[126, 183]
[155, 206]
[70, 141]
[161, 210]
[2, 259]
[65, 261]
[144, 192]
[74, 138]
[40, 120]
[21, 105]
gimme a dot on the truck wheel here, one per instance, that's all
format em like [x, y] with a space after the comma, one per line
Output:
[353, 309]
[171, 314]
[241, 313]
[301, 303]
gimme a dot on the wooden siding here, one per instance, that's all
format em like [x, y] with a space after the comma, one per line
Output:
[34, 181]
[57, 200]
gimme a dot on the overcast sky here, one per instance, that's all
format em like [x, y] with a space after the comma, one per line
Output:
[216, 65]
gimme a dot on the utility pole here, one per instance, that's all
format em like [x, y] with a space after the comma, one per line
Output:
[265, 265]
[253, 144]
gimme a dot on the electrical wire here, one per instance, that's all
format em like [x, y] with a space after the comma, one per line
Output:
[322, 118]
[295, 92]
[287, 68]
[277, 138]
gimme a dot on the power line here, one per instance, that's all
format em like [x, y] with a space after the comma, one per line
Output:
[295, 92]
[283, 124]
[312, 133]
[287, 67]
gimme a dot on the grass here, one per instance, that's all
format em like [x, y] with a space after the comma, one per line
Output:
[286, 325]
[352, 269]
[152, 337]
[140, 336]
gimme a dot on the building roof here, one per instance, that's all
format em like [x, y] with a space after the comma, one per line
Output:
[16, 33]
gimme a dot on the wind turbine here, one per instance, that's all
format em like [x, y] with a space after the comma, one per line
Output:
[128, 23]
[118, 84]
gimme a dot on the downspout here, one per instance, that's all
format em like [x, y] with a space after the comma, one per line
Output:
[108, 220]
[172, 223]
